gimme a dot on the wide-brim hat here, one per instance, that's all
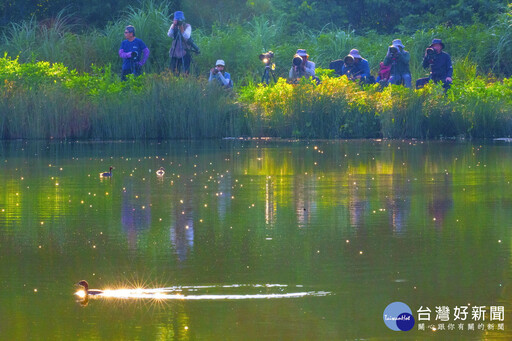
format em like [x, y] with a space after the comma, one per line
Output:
[302, 53]
[397, 43]
[178, 15]
[355, 53]
[437, 41]
[220, 62]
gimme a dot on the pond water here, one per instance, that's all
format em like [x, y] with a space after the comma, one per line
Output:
[275, 240]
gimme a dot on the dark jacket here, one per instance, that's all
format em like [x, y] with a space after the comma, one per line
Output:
[399, 63]
[362, 68]
[440, 66]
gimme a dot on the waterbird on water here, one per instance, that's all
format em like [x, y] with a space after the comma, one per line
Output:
[160, 172]
[106, 174]
[87, 291]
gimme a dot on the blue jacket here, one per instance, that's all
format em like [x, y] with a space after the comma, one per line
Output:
[362, 68]
[440, 66]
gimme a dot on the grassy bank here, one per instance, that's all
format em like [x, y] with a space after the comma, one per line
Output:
[43, 100]
[64, 82]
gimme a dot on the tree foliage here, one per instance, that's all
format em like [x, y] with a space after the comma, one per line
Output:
[383, 16]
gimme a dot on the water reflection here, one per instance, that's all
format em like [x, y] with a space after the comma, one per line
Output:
[270, 203]
[441, 200]
[398, 203]
[135, 210]
[355, 220]
[304, 189]
[182, 227]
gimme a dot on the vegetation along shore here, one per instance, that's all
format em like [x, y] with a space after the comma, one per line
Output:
[60, 77]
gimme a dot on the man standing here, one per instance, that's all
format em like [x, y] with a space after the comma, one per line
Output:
[398, 59]
[134, 53]
[440, 64]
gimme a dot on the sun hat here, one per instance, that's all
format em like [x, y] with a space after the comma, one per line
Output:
[355, 53]
[220, 62]
[437, 41]
[178, 15]
[302, 53]
[397, 43]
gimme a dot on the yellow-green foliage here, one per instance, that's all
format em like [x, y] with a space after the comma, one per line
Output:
[43, 100]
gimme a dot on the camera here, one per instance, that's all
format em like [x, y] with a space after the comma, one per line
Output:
[267, 57]
[430, 51]
[135, 55]
[297, 60]
[393, 50]
[348, 60]
[192, 46]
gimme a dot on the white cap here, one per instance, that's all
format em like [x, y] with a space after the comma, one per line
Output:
[220, 62]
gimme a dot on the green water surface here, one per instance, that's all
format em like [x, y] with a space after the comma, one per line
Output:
[364, 223]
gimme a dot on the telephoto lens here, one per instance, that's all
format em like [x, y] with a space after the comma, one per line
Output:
[297, 60]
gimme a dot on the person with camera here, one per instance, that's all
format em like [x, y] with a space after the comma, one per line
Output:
[181, 45]
[134, 53]
[398, 59]
[301, 67]
[356, 67]
[440, 63]
[219, 76]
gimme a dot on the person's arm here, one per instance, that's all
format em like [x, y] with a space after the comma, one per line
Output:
[124, 55]
[291, 74]
[225, 78]
[449, 68]
[365, 69]
[310, 68]
[426, 61]
[187, 32]
[170, 33]
[145, 55]
[404, 57]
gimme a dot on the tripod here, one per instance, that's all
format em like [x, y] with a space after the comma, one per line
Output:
[178, 63]
[265, 78]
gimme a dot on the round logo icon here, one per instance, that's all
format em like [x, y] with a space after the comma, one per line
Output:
[398, 317]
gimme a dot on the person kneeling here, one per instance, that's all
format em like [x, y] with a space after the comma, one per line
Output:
[440, 64]
[219, 76]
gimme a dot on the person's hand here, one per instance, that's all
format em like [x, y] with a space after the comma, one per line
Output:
[449, 79]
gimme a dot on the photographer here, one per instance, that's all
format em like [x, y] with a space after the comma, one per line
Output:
[356, 67]
[222, 78]
[301, 67]
[181, 33]
[398, 59]
[134, 53]
[440, 64]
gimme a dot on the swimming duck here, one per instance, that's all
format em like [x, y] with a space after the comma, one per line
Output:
[106, 174]
[88, 291]
[161, 171]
